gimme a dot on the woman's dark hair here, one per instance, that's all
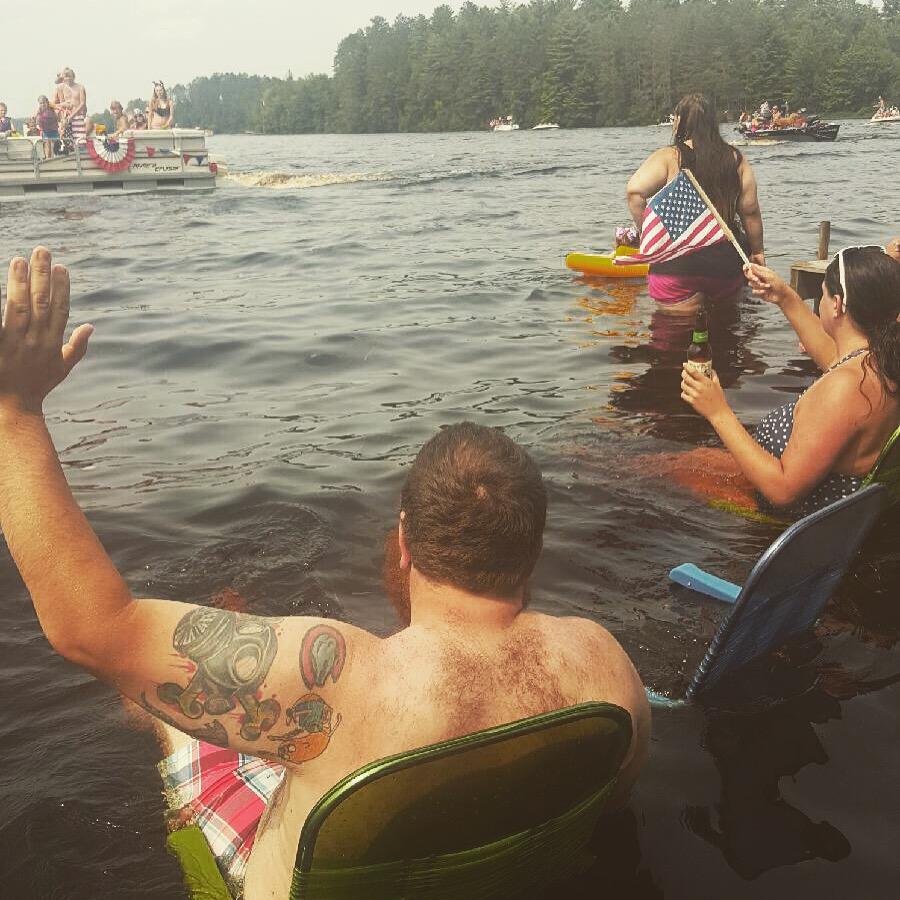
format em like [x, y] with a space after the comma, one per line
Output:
[872, 281]
[713, 161]
[474, 508]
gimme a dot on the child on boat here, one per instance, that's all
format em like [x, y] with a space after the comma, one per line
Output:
[48, 123]
[6, 124]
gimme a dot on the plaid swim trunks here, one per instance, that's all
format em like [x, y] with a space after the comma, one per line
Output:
[225, 793]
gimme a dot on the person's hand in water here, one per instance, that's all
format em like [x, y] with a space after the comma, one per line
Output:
[766, 284]
[704, 394]
[34, 355]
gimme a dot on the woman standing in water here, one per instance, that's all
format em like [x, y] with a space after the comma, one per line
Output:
[808, 453]
[161, 111]
[713, 273]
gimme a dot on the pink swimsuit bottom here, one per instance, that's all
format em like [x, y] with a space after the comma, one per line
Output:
[669, 289]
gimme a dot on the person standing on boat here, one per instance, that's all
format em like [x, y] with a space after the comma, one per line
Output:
[161, 111]
[70, 102]
[714, 273]
[48, 123]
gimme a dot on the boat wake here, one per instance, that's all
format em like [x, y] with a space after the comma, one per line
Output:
[282, 181]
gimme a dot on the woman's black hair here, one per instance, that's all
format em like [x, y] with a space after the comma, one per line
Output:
[713, 160]
[873, 286]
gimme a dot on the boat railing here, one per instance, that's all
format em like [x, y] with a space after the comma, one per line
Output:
[38, 160]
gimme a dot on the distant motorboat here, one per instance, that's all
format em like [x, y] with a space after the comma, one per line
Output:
[504, 123]
[668, 123]
[813, 130]
[885, 119]
[545, 126]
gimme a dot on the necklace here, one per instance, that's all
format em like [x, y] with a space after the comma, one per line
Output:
[844, 359]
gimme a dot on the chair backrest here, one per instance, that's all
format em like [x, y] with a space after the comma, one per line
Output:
[886, 470]
[790, 584]
[487, 815]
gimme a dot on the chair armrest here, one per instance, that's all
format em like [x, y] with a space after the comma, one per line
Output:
[690, 576]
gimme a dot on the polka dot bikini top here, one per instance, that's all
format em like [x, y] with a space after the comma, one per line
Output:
[773, 434]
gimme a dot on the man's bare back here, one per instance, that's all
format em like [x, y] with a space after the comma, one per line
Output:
[429, 684]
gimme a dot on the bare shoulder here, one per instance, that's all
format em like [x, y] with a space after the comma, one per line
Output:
[666, 157]
[603, 665]
[606, 673]
[846, 391]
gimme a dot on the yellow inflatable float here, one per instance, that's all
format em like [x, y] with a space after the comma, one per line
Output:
[602, 264]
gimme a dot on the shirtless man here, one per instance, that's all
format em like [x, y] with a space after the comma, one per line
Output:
[70, 102]
[316, 697]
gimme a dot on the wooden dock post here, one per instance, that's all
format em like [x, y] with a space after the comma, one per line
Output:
[807, 277]
[824, 239]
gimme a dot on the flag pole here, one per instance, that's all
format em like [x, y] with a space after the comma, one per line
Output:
[728, 232]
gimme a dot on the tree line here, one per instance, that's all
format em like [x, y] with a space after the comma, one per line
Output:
[580, 63]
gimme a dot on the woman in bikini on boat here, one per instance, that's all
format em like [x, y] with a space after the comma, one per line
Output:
[714, 273]
[808, 453]
[161, 111]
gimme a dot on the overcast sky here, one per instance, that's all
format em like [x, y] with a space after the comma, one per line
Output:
[119, 47]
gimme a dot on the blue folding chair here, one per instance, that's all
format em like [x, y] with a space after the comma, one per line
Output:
[785, 592]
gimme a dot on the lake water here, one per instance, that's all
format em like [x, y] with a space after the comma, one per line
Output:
[269, 358]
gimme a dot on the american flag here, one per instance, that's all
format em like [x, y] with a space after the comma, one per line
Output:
[676, 222]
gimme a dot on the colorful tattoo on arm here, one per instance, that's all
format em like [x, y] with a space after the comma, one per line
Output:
[322, 654]
[212, 732]
[233, 653]
[310, 721]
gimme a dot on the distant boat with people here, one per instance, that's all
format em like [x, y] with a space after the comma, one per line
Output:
[813, 130]
[504, 123]
[135, 162]
[886, 117]
[772, 122]
[668, 123]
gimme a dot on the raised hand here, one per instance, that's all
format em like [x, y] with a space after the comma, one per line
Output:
[34, 356]
[766, 284]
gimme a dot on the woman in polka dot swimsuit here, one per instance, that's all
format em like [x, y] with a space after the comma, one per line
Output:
[809, 453]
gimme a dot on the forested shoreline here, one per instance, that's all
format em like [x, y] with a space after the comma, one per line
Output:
[581, 64]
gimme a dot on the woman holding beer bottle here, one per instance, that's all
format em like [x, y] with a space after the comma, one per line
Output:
[808, 453]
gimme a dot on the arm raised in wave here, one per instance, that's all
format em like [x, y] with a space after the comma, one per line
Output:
[270, 687]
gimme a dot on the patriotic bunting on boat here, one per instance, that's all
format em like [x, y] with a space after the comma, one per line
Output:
[110, 154]
[676, 222]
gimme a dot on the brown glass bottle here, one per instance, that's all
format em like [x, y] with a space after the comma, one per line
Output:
[699, 354]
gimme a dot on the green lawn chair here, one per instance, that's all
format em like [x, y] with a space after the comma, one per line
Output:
[886, 470]
[495, 814]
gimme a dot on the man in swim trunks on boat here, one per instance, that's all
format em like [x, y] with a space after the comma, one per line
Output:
[307, 699]
[70, 102]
